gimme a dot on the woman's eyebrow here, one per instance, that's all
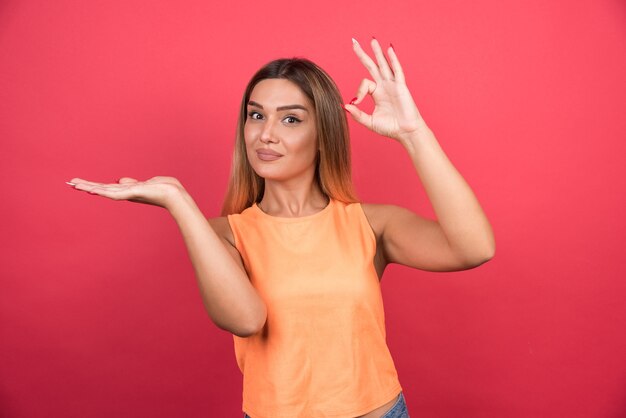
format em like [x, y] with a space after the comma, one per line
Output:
[279, 108]
[293, 106]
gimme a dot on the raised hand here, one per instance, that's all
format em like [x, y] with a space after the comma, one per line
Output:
[157, 191]
[395, 114]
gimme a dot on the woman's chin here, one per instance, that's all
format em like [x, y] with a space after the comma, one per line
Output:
[268, 174]
[276, 173]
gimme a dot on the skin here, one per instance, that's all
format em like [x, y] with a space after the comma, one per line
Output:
[281, 118]
[460, 238]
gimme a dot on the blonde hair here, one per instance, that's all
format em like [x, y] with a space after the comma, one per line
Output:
[333, 170]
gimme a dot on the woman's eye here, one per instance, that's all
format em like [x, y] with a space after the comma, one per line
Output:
[292, 119]
[254, 115]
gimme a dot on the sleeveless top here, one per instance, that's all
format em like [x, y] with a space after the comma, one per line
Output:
[322, 351]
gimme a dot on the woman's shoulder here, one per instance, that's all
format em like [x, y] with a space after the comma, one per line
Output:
[377, 210]
[382, 210]
[221, 226]
[379, 215]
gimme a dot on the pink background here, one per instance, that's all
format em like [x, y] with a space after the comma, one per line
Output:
[100, 314]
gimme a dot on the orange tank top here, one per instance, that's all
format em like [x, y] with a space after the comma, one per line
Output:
[322, 351]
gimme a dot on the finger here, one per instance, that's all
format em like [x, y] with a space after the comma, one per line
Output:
[115, 194]
[395, 64]
[366, 87]
[90, 186]
[125, 180]
[366, 60]
[359, 116]
[77, 180]
[383, 65]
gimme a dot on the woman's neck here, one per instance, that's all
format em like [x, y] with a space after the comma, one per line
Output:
[291, 202]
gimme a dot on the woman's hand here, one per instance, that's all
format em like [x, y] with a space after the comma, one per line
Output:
[228, 295]
[158, 191]
[395, 114]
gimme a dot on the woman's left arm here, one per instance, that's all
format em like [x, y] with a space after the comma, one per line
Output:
[462, 237]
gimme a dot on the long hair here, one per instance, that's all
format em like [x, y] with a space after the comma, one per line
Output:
[333, 168]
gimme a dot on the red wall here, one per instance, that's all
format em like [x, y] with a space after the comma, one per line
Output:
[100, 315]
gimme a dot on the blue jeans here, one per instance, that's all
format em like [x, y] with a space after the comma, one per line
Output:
[398, 410]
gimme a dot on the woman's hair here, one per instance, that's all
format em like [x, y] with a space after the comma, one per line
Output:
[333, 170]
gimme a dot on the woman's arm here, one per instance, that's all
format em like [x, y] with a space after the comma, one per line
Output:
[462, 237]
[229, 298]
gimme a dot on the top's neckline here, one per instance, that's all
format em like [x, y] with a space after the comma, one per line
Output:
[293, 219]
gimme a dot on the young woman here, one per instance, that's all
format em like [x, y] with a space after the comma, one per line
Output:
[293, 267]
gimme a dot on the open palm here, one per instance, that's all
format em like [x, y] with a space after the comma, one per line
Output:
[157, 191]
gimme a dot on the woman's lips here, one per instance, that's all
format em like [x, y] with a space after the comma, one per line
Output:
[267, 155]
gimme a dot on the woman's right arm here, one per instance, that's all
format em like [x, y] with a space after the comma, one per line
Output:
[229, 298]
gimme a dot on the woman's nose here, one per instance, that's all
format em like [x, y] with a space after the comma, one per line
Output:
[267, 134]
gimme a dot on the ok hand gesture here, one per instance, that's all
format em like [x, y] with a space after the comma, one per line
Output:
[395, 114]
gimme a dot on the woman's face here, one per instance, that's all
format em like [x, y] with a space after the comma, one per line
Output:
[280, 133]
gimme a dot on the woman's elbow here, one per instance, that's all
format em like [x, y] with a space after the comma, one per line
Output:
[253, 325]
[250, 329]
[472, 258]
[485, 249]
[482, 256]
[489, 252]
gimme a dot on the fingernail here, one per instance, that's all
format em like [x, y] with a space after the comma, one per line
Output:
[344, 107]
[391, 45]
[352, 101]
[354, 41]
[374, 38]
[71, 184]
